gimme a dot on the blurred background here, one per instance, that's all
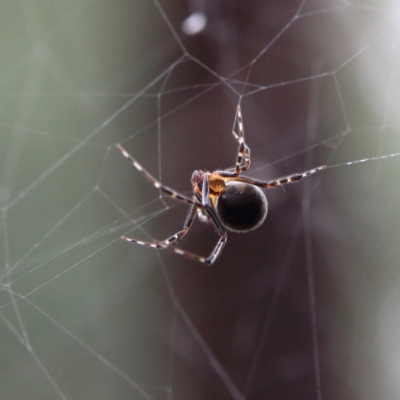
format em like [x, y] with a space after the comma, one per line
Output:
[305, 307]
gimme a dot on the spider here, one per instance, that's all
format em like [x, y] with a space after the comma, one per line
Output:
[225, 198]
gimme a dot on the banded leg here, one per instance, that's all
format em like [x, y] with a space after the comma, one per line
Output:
[163, 244]
[280, 181]
[202, 206]
[158, 184]
[206, 260]
[212, 217]
[243, 156]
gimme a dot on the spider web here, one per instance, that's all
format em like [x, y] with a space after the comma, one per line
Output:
[302, 308]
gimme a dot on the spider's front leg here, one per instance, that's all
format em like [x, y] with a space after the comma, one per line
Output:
[165, 189]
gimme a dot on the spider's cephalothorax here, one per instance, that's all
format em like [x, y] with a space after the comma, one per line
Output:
[226, 198]
[213, 181]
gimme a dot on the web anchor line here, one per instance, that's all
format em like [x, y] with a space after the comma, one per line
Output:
[364, 160]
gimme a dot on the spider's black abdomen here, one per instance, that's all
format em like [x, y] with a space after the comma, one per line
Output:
[242, 207]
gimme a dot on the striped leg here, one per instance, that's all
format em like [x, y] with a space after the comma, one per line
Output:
[158, 184]
[206, 260]
[243, 156]
[280, 181]
[204, 210]
[165, 243]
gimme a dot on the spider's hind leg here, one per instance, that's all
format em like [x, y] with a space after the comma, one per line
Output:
[163, 244]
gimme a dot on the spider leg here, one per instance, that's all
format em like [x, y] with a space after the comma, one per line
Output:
[212, 216]
[158, 184]
[202, 216]
[165, 243]
[243, 156]
[199, 204]
[293, 178]
[244, 160]
[211, 258]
